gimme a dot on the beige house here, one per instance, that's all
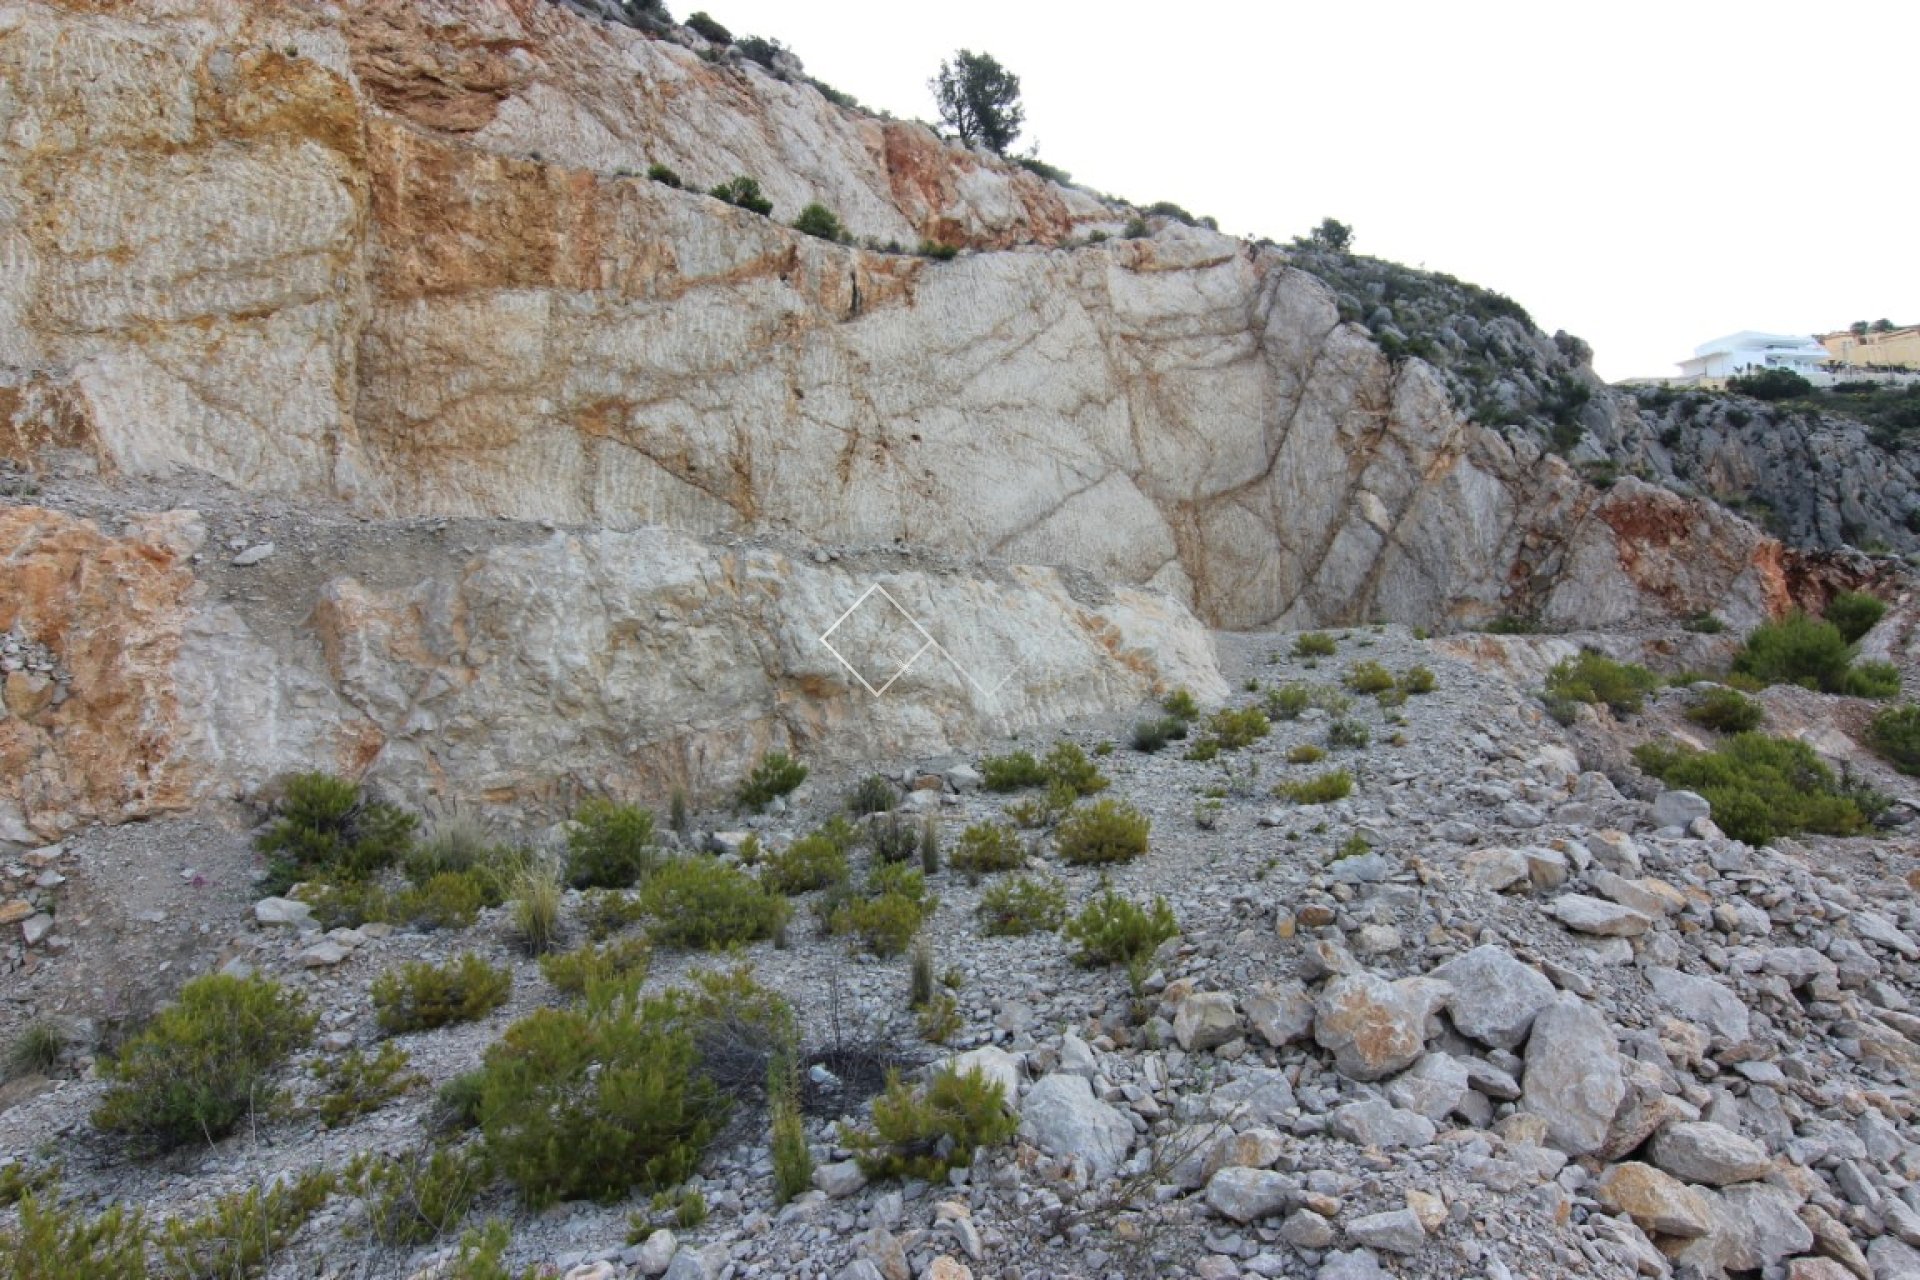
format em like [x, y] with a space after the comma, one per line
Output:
[1893, 347]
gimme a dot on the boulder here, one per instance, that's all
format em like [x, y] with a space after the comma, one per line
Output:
[1280, 1012]
[1679, 809]
[1495, 997]
[1206, 1020]
[1396, 1231]
[1574, 1079]
[1598, 917]
[1371, 1026]
[1061, 1116]
[1658, 1203]
[1700, 1151]
[1246, 1195]
[1703, 1001]
[1378, 1123]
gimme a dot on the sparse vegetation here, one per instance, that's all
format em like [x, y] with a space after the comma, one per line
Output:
[1368, 677]
[792, 1158]
[1597, 679]
[1895, 734]
[819, 221]
[326, 827]
[419, 996]
[985, 847]
[661, 174]
[893, 837]
[1323, 788]
[1180, 705]
[609, 845]
[1153, 734]
[776, 775]
[873, 794]
[923, 1133]
[536, 909]
[1306, 753]
[1854, 613]
[53, 1242]
[1066, 765]
[979, 100]
[1110, 930]
[420, 1196]
[889, 912]
[1812, 653]
[1314, 644]
[1418, 680]
[1725, 710]
[240, 1234]
[622, 962]
[204, 1064]
[1104, 831]
[1760, 788]
[703, 903]
[1347, 735]
[1232, 729]
[1019, 905]
[744, 192]
[37, 1049]
[811, 862]
[354, 1084]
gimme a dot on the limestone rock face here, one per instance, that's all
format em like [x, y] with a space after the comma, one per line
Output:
[374, 253]
[626, 660]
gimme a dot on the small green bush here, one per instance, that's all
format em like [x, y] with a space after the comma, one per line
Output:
[1288, 701]
[1152, 734]
[348, 904]
[420, 1196]
[326, 827]
[609, 846]
[661, 174]
[709, 30]
[449, 900]
[354, 1084]
[873, 794]
[1418, 680]
[1597, 679]
[19, 1179]
[889, 912]
[892, 837]
[743, 192]
[1760, 788]
[56, 1243]
[792, 1158]
[923, 1133]
[705, 904]
[37, 1049]
[1796, 650]
[1314, 644]
[204, 1064]
[1111, 930]
[1348, 735]
[1306, 753]
[1204, 750]
[1895, 734]
[456, 1104]
[419, 996]
[1725, 710]
[242, 1232]
[1705, 624]
[579, 1107]
[811, 862]
[1368, 677]
[1872, 680]
[819, 221]
[985, 847]
[776, 775]
[461, 846]
[1102, 832]
[1854, 613]
[1180, 705]
[1012, 772]
[1324, 788]
[606, 912]
[536, 909]
[937, 251]
[1066, 765]
[481, 1253]
[623, 961]
[1235, 729]
[1020, 905]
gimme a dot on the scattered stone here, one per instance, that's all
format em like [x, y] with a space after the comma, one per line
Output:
[287, 911]
[1305, 1229]
[1061, 1116]
[1378, 1123]
[1598, 917]
[1703, 1001]
[1370, 1026]
[1396, 1231]
[1701, 1151]
[1495, 997]
[1495, 870]
[1280, 1012]
[839, 1180]
[1357, 1264]
[1679, 809]
[1574, 1080]
[253, 555]
[1206, 1020]
[1245, 1195]
[1658, 1203]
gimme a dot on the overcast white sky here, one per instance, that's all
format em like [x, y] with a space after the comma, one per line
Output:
[1645, 175]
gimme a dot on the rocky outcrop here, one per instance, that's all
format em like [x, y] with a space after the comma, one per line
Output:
[528, 672]
[396, 254]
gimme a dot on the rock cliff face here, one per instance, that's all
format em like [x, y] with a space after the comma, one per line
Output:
[527, 672]
[386, 252]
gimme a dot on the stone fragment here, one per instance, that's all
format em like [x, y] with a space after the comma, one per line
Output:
[1615, 851]
[1061, 1116]
[287, 911]
[1574, 1080]
[1700, 1151]
[1765, 1226]
[1598, 917]
[656, 1252]
[948, 1268]
[1259, 1096]
[997, 1065]
[35, 928]
[1370, 1026]
[253, 555]
[1495, 997]
[1396, 1231]
[1494, 870]
[323, 955]
[1280, 1012]
[689, 1264]
[1378, 1123]
[1246, 1195]
[1702, 1001]
[1433, 1087]
[1679, 809]
[839, 1180]
[1304, 1229]
[1657, 1202]
[14, 910]
[1253, 1149]
[1206, 1020]
[1355, 1264]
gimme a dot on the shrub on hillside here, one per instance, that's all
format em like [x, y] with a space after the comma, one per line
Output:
[703, 903]
[743, 192]
[1798, 650]
[1102, 832]
[461, 847]
[709, 30]
[987, 846]
[1323, 788]
[1234, 729]
[1111, 930]
[1770, 384]
[419, 996]
[811, 862]
[354, 1084]
[1012, 772]
[416, 1198]
[1760, 788]
[819, 221]
[893, 837]
[204, 1064]
[1306, 753]
[1066, 765]
[889, 911]
[609, 845]
[775, 775]
[1725, 710]
[924, 1133]
[1895, 734]
[1314, 644]
[1180, 705]
[872, 794]
[1020, 905]
[1153, 733]
[327, 827]
[241, 1233]
[536, 909]
[1288, 701]
[1347, 735]
[622, 961]
[1598, 680]
[55, 1242]
[1854, 613]
[1418, 680]
[1367, 677]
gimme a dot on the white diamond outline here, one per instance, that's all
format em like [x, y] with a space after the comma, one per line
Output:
[931, 643]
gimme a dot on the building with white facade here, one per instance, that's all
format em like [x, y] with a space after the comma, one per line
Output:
[1750, 352]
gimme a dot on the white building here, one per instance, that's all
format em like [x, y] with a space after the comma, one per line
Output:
[1750, 352]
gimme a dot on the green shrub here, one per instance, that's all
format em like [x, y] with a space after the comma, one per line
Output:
[743, 192]
[419, 996]
[1895, 734]
[987, 846]
[937, 251]
[242, 1233]
[1012, 772]
[1287, 702]
[1306, 753]
[461, 846]
[1854, 613]
[1066, 765]
[661, 174]
[1180, 705]
[19, 1179]
[481, 1253]
[623, 961]
[930, 845]
[1235, 729]
[204, 1064]
[792, 1158]
[37, 1049]
[1204, 750]
[1314, 644]
[889, 912]
[892, 837]
[1597, 679]
[326, 827]
[923, 1133]
[1872, 680]
[1020, 905]
[1152, 734]
[354, 1084]
[1323, 788]
[1111, 930]
[776, 775]
[818, 220]
[1759, 787]
[1348, 735]
[536, 909]
[606, 912]
[449, 900]
[609, 846]
[809, 863]
[348, 904]
[1770, 384]
[1705, 624]
[873, 794]
[579, 1107]
[55, 1243]
[709, 30]
[1725, 710]
[1102, 832]
[420, 1196]
[1418, 680]
[456, 1104]
[1368, 677]
[1796, 650]
[705, 904]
